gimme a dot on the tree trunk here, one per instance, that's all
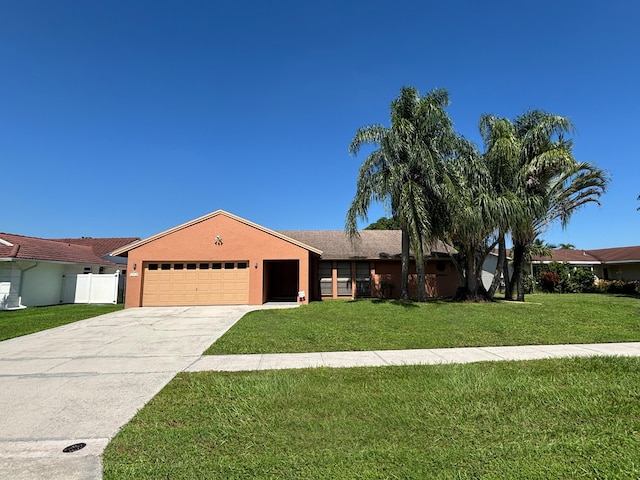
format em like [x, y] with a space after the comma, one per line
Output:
[404, 291]
[420, 273]
[517, 282]
[472, 289]
[499, 275]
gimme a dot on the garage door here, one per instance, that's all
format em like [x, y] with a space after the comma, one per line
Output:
[195, 283]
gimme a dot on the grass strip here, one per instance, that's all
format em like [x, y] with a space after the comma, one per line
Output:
[389, 325]
[15, 323]
[568, 418]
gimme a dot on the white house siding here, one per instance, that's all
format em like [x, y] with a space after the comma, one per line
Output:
[42, 284]
[9, 286]
[620, 271]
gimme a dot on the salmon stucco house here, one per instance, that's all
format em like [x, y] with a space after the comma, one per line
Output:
[222, 259]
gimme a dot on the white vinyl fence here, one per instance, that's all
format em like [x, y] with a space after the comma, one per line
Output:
[91, 288]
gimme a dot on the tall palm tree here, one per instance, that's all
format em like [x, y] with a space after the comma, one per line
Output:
[550, 173]
[567, 246]
[532, 159]
[479, 209]
[406, 172]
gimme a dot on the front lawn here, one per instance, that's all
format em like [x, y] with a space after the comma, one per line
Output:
[561, 418]
[15, 323]
[389, 325]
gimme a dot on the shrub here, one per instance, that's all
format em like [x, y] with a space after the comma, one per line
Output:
[549, 281]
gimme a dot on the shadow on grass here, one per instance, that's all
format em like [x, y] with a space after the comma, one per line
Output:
[409, 303]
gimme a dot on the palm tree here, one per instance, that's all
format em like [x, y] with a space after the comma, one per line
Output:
[567, 246]
[552, 175]
[531, 158]
[406, 172]
[480, 207]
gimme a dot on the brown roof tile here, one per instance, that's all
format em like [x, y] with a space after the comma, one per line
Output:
[571, 256]
[101, 246]
[372, 245]
[32, 248]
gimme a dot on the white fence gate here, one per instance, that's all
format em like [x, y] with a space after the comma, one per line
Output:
[91, 288]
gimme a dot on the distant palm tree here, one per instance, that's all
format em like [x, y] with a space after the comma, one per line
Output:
[567, 246]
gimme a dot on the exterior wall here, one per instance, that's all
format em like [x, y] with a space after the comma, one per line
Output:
[9, 286]
[620, 271]
[489, 268]
[42, 285]
[196, 243]
[386, 279]
[36, 284]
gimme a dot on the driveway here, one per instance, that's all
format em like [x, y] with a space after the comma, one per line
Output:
[80, 383]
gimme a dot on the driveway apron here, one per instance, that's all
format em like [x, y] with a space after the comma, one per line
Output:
[80, 383]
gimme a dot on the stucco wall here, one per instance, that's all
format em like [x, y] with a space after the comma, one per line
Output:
[439, 282]
[621, 271]
[196, 243]
[9, 286]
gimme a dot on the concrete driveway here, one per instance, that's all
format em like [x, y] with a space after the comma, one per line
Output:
[83, 381]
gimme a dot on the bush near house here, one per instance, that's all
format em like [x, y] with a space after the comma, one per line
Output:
[625, 287]
[564, 278]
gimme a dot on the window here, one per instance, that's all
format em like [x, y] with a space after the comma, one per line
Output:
[242, 264]
[153, 266]
[363, 279]
[344, 278]
[87, 269]
[216, 266]
[325, 275]
[191, 266]
[204, 266]
[165, 266]
[229, 265]
[178, 266]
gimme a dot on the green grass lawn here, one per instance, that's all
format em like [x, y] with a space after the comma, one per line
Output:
[374, 325]
[16, 323]
[569, 418]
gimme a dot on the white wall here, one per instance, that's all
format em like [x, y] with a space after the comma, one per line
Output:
[42, 285]
[9, 286]
[489, 268]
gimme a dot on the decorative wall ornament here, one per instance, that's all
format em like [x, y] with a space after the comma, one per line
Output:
[218, 240]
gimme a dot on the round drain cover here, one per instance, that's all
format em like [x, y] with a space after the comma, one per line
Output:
[74, 448]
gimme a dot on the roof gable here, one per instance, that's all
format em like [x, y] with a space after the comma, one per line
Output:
[139, 243]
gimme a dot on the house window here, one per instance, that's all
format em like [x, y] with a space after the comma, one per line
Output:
[216, 266]
[229, 266]
[242, 265]
[178, 266]
[153, 266]
[325, 270]
[204, 266]
[87, 269]
[165, 266]
[363, 279]
[344, 278]
[191, 266]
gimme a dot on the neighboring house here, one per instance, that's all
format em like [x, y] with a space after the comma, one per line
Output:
[620, 263]
[221, 258]
[36, 271]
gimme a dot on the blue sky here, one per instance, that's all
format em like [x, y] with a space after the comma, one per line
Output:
[125, 118]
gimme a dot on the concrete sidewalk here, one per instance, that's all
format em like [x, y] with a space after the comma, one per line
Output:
[234, 363]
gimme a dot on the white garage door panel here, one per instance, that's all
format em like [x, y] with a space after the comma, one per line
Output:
[213, 283]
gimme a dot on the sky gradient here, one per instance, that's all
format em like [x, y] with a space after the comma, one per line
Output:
[126, 118]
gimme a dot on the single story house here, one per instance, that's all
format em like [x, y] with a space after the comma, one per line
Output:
[221, 258]
[619, 263]
[37, 271]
